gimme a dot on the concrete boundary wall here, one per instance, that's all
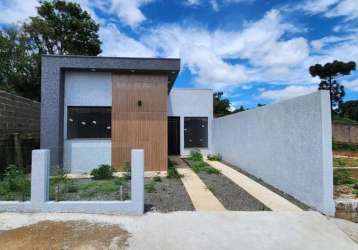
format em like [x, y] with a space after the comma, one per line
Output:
[39, 191]
[288, 145]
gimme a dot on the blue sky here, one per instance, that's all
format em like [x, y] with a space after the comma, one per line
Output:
[256, 51]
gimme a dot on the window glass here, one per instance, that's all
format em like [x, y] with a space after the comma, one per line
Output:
[195, 132]
[88, 122]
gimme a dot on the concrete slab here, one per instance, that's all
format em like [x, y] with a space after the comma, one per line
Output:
[270, 199]
[201, 197]
[214, 230]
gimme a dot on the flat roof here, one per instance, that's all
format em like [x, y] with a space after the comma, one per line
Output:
[139, 65]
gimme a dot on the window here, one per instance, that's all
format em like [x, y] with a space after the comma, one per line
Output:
[195, 132]
[88, 122]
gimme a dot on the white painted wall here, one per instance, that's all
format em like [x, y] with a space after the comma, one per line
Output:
[191, 103]
[86, 89]
[286, 144]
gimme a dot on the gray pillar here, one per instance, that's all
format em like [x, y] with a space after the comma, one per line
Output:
[137, 180]
[40, 165]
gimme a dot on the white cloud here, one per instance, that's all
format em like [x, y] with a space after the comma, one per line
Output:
[129, 10]
[17, 10]
[287, 92]
[116, 43]
[351, 85]
[215, 4]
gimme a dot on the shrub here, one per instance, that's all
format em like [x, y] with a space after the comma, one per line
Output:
[195, 155]
[127, 171]
[103, 172]
[214, 157]
[60, 181]
[150, 187]
[342, 176]
[15, 180]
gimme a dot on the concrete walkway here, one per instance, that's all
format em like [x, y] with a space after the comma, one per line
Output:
[218, 230]
[201, 197]
[270, 199]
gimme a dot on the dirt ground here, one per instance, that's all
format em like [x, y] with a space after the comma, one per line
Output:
[70, 235]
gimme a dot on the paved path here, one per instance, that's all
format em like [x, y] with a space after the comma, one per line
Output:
[201, 197]
[211, 231]
[270, 199]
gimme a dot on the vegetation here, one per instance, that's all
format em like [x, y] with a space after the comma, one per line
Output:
[59, 28]
[102, 172]
[345, 162]
[222, 105]
[345, 147]
[342, 176]
[15, 184]
[60, 182]
[328, 74]
[172, 171]
[150, 187]
[198, 165]
[195, 155]
[350, 110]
[215, 157]
[157, 178]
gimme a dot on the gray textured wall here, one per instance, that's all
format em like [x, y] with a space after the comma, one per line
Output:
[18, 115]
[286, 144]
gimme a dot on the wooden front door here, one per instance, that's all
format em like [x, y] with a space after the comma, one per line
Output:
[139, 119]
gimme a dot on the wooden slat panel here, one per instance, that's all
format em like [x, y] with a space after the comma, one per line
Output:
[139, 127]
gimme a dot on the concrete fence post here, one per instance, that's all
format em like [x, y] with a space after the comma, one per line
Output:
[40, 165]
[137, 181]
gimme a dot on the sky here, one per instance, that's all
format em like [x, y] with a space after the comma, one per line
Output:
[255, 51]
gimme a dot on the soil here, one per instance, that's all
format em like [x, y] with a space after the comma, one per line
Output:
[344, 191]
[169, 195]
[64, 235]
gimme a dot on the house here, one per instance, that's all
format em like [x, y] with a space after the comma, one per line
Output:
[94, 110]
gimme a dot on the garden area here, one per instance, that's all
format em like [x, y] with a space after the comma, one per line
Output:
[345, 175]
[228, 193]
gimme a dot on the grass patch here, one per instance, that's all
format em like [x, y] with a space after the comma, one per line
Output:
[342, 176]
[198, 165]
[215, 157]
[345, 162]
[150, 187]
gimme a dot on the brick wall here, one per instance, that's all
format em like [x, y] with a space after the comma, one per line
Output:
[345, 133]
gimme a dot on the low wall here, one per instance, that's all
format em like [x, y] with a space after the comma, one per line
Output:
[288, 145]
[345, 133]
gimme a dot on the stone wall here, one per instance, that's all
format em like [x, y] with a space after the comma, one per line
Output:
[345, 133]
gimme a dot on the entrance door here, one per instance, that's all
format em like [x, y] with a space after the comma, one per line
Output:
[173, 135]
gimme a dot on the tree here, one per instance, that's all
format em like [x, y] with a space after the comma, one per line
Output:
[18, 73]
[350, 110]
[60, 28]
[221, 106]
[63, 28]
[328, 75]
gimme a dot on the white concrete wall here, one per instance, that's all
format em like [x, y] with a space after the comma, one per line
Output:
[191, 103]
[286, 144]
[86, 89]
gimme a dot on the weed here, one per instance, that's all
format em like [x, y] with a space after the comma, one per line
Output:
[172, 171]
[150, 187]
[72, 187]
[60, 182]
[200, 167]
[195, 155]
[342, 176]
[215, 157]
[15, 180]
[102, 172]
[157, 178]
[345, 147]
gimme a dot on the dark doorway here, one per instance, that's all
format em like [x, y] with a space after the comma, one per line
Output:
[173, 135]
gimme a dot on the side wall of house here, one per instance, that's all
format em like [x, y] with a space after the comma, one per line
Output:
[86, 89]
[191, 103]
[288, 145]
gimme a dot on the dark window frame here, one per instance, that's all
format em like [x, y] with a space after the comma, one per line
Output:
[194, 134]
[76, 133]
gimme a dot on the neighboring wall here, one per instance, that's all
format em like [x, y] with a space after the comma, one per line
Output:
[20, 118]
[86, 89]
[288, 145]
[345, 133]
[191, 103]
